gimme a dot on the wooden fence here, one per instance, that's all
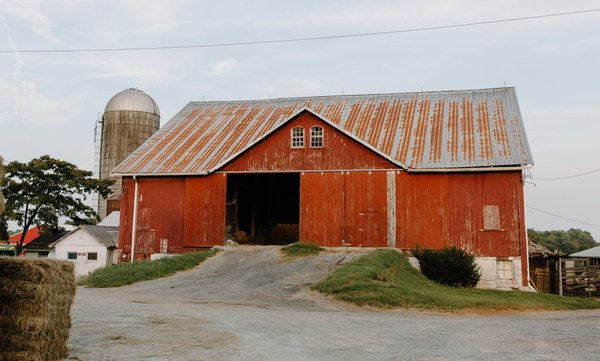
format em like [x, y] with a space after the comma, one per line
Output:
[577, 277]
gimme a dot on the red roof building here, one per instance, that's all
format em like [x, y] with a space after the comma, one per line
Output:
[31, 235]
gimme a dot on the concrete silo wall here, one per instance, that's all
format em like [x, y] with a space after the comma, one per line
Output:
[123, 131]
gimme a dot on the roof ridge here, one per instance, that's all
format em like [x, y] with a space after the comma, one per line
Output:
[349, 96]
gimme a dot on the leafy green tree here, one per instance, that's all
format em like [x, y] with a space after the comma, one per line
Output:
[43, 190]
[3, 228]
[567, 242]
[1, 197]
[3, 223]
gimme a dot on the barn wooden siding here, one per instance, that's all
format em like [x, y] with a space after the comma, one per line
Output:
[431, 210]
[437, 210]
[338, 208]
[187, 212]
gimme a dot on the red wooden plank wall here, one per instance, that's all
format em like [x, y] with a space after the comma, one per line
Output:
[204, 211]
[432, 210]
[344, 206]
[437, 210]
[338, 152]
[186, 211]
[321, 214]
[126, 216]
[160, 214]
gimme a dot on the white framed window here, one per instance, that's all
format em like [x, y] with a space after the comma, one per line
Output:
[316, 137]
[298, 137]
[71, 255]
[92, 256]
[504, 269]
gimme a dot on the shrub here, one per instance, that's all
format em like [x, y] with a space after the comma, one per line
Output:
[450, 266]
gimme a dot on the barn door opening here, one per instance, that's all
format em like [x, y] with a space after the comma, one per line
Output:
[263, 208]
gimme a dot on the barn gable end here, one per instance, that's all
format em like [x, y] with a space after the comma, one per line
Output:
[339, 151]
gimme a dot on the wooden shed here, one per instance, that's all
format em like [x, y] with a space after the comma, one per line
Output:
[426, 169]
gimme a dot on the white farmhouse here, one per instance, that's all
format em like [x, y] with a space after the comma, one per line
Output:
[89, 247]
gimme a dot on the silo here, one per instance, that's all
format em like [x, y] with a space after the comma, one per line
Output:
[129, 119]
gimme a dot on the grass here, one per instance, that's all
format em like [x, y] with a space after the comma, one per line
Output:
[123, 274]
[384, 278]
[300, 249]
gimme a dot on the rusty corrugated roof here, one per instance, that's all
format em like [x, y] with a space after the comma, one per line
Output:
[421, 131]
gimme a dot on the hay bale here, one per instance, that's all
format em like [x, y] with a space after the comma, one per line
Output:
[21, 355]
[35, 302]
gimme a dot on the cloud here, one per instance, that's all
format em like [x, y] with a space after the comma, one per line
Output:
[31, 13]
[18, 64]
[223, 67]
[30, 106]
[144, 71]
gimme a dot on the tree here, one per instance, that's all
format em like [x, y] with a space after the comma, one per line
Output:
[1, 197]
[39, 192]
[4, 233]
[3, 223]
[567, 242]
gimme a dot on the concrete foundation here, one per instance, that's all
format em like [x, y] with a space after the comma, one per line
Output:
[500, 273]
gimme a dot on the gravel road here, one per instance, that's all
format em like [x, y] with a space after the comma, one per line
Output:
[248, 303]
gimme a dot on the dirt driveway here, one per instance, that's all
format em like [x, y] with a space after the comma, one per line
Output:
[248, 303]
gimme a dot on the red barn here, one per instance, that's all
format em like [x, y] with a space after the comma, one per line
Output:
[427, 169]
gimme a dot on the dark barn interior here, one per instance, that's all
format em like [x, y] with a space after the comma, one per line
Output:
[263, 208]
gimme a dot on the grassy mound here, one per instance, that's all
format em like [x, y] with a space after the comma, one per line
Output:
[300, 249]
[384, 278]
[127, 273]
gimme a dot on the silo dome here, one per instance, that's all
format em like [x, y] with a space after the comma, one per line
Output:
[132, 99]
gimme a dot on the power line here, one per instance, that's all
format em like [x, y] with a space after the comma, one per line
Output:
[566, 218]
[291, 40]
[567, 177]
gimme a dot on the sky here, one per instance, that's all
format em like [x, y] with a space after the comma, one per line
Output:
[49, 102]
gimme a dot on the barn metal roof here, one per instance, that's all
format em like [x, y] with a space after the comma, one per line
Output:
[441, 130]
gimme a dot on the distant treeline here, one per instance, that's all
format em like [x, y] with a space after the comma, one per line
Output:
[567, 242]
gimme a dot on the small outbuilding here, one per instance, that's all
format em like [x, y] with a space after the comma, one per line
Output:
[593, 254]
[403, 170]
[40, 246]
[88, 246]
[580, 273]
[543, 268]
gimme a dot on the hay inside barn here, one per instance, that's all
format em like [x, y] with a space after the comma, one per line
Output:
[35, 303]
